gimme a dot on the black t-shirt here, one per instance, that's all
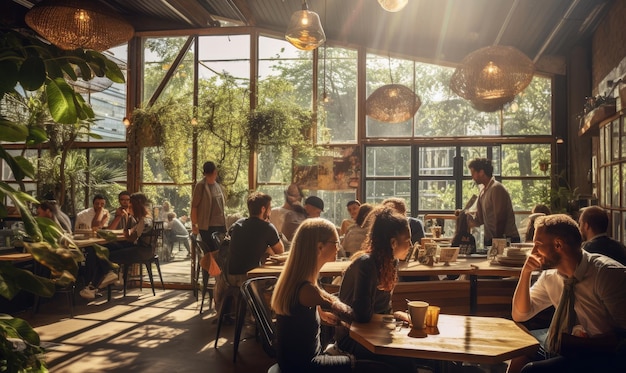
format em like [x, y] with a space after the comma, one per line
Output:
[249, 238]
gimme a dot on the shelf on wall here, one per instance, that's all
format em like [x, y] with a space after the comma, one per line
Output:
[591, 122]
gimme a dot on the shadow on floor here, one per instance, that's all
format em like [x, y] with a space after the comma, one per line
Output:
[142, 333]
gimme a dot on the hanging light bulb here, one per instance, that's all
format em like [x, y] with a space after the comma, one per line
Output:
[305, 29]
[393, 5]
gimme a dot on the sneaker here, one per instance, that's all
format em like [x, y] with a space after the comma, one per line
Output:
[89, 292]
[109, 278]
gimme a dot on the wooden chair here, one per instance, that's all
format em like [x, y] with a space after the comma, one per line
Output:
[156, 236]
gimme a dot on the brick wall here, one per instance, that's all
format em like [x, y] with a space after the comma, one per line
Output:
[608, 44]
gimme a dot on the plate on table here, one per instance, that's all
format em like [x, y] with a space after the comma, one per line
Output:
[474, 255]
[511, 261]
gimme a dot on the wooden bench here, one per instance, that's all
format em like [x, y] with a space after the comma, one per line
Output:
[495, 296]
[451, 295]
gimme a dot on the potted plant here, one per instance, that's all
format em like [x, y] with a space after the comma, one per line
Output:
[30, 65]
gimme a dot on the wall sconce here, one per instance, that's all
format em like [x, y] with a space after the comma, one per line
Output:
[393, 5]
[305, 30]
[126, 122]
[559, 140]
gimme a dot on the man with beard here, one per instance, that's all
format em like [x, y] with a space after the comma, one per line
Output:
[120, 220]
[250, 239]
[588, 330]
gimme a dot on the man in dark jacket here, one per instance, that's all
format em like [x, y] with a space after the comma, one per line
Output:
[593, 223]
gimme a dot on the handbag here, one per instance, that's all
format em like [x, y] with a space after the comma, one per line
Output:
[209, 263]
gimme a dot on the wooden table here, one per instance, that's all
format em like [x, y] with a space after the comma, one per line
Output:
[15, 257]
[472, 267]
[483, 340]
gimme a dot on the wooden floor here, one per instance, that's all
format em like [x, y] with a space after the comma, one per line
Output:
[141, 333]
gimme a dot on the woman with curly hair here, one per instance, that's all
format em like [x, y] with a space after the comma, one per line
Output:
[369, 280]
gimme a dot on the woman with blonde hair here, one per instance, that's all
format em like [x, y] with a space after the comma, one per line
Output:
[300, 303]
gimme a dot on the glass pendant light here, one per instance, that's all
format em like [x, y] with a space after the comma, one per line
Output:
[305, 29]
[393, 5]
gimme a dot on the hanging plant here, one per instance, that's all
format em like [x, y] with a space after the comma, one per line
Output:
[275, 125]
[166, 125]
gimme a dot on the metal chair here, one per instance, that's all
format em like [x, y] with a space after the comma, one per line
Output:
[208, 283]
[254, 292]
[155, 235]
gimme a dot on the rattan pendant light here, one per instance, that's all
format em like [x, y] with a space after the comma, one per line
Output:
[492, 76]
[73, 24]
[392, 103]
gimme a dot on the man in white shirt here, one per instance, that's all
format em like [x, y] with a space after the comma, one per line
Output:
[594, 339]
[94, 218]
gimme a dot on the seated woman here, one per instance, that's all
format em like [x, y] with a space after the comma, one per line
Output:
[299, 302]
[369, 280]
[355, 235]
[134, 247]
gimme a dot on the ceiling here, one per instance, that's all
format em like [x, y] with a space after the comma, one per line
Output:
[442, 31]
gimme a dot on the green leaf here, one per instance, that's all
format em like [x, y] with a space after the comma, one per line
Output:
[36, 135]
[16, 279]
[21, 328]
[113, 72]
[12, 132]
[27, 168]
[54, 69]
[16, 168]
[59, 260]
[8, 78]
[85, 71]
[32, 73]
[60, 98]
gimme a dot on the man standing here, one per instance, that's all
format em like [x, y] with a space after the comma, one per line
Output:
[94, 218]
[207, 206]
[588, 330]
[494, 208]
[120, 220]
[594, 222]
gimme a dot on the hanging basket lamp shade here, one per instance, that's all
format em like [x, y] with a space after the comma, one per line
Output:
[393, 5]
[492, 76]
[73, 24]
[392, 103]
[305, 30]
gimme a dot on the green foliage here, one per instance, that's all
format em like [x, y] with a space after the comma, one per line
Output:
[42, 65]
[19, 347]
[33, 88]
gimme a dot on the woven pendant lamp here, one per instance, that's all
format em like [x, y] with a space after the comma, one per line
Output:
[392, 103]
[492, 76]
[73, 24]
